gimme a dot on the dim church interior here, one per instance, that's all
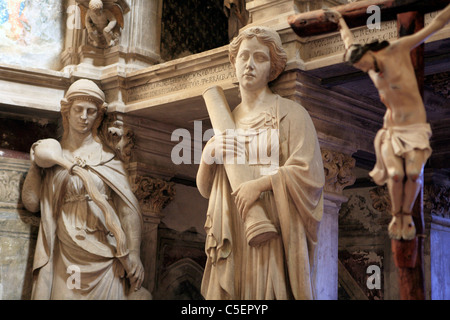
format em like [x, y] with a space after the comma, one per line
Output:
[169, 53]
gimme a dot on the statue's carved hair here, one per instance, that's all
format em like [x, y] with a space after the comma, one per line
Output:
[357, 51]
[268, 37]
[95, 4]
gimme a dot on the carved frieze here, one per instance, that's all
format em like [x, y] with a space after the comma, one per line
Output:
[338, 170]
[179, 82]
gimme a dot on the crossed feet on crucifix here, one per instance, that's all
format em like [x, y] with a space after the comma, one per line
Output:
[402, 227]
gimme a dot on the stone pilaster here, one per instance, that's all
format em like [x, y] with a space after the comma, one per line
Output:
[18, 231]
[153, 195]
[338, 175]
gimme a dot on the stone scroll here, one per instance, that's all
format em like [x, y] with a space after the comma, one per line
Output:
[258, 227]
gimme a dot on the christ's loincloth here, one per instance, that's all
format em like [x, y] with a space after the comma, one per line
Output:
[403, 139]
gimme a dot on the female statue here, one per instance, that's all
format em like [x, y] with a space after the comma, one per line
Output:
[283, 266]
[76, 254]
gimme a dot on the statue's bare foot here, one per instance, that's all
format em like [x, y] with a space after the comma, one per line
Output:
[408, 227]
[395, 227]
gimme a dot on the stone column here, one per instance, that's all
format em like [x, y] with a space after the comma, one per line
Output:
[141, 35]
[153, 195]
[338, 174]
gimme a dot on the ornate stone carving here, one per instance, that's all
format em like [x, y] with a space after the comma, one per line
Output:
[10, 182]
[153, 194]
[338, 170]
[380, 199]
[437, 200]
[103, 21]
[117, 136]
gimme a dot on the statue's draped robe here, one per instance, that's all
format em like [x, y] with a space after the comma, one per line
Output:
[73, 242]
[282, 268]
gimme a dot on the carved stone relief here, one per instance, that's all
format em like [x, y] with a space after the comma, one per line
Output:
[103, 21]
[117, 136]
[153, 193]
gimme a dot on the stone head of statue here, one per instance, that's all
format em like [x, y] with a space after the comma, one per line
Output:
[83, 107]
[267, 37]
[96, 5]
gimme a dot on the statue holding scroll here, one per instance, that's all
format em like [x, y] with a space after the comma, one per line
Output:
[263, 216]
[402, 146]
[88, 245]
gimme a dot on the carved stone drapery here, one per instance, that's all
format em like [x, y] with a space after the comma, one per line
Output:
[338, 170]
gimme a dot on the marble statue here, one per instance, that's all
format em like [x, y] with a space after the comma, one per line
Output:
[88, 245]
[290, 192]
[237, 14]
[103, 21]
[402, 145]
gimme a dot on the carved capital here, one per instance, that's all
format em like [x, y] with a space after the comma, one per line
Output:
[338, 170]
[117, 136]
[153, 194]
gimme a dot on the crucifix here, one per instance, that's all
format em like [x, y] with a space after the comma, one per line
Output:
[402, 145]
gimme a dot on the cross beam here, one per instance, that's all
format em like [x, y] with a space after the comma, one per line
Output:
[314, 22]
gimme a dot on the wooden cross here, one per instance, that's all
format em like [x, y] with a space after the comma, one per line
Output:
[410, 18]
